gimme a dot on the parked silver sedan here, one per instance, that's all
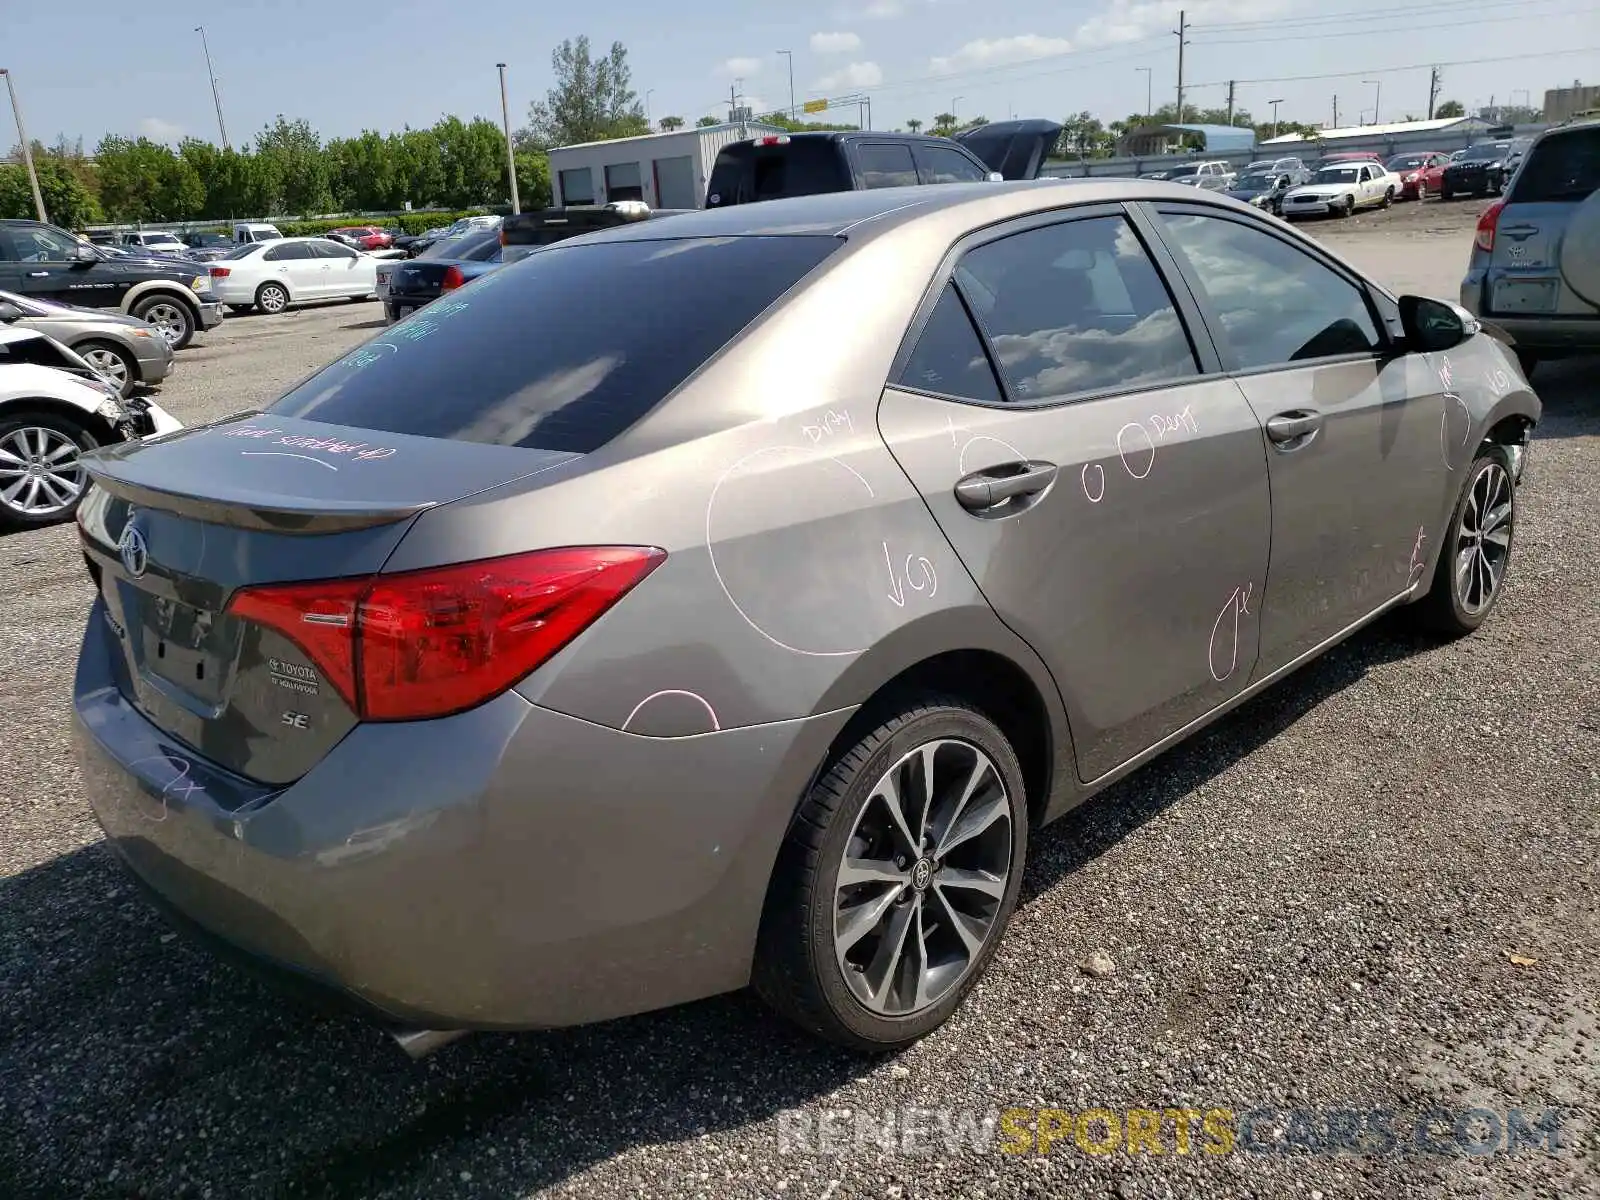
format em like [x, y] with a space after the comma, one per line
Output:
[731, 598]
[124, 349]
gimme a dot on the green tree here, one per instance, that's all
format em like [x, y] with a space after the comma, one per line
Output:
[914, 124]
[419, 174]
[784, 121]
[362, 174]
[533, 179]
[1083, 136]
[1450, 108]
[707, 122]
[668, 124]
[141, 180]
[67, 201]
[944, 124]
[593, 99]
[472, 157]
[293, 154]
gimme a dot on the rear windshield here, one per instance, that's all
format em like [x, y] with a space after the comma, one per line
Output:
[463, 248]
[804, 167]
[562, 351]
[1563, 167]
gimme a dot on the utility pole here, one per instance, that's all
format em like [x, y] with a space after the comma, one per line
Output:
[216, 95]
[27, 148]
[1230, 101]
[1182, 31]
[511, 154]
[789, 54]
[1434, 84]
[1275, 104]
[1335, 124]
[1149, 90]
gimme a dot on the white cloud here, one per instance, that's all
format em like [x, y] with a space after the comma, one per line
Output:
[158, 130]
[876, 10]
[1130, 20]
[851, 75]
[993, 52]
[740, 68]
[835, 43]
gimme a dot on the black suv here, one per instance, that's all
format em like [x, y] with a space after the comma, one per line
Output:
[805, 164]
[46, 263]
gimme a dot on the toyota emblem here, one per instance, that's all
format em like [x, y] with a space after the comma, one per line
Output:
[133, 551]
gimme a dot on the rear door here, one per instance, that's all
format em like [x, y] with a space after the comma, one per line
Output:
[1104, 484]
[1546, 256]
[1354, 439]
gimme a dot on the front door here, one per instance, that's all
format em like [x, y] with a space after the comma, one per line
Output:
[1105, 486]
[1356, 432]
[298, 265]
[42, 264]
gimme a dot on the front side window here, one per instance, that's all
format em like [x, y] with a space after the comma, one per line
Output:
[41, 243]
[1278, 306]
[1073, 308]
[619, 326]
[940, 164]
[882, 165]
[333, 250]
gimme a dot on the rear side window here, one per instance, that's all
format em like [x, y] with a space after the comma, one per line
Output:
[949, 358]
[1564, 167]
[884, 165]
[564, 350]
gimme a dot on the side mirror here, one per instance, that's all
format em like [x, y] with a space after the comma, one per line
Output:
[996, 177]
[1431, 325]
[9, 312]
[85, 253]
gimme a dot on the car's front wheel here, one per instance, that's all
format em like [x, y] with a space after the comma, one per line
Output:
[896, 879]
[1388, 198]
[1477, 547]
[168, 316]
[41, 479]
[115, 363]
[1348, 208]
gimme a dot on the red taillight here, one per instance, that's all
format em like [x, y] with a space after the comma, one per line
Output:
[422, 644]
[1487, 224]
[221, 272]
[453, 278]
[773, 139]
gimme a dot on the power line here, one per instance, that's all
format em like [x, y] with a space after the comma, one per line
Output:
[1459, 62]
[1347, 15]
[1370, 30]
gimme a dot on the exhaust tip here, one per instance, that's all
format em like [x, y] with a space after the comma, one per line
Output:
[420, 1043]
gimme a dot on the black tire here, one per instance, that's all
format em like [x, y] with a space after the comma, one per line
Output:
[239, 310]
[1348, 208]
[125, 368]
[1529, 362]
[169, 314]
[1446, 609]
[272, 298]
[1446, 194]
[13, 420]
[797, 971]
[391, 314]
[1388, 198]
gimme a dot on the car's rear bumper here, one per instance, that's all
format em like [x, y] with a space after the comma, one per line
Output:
[1542, 333]
[211, 313]
[509, 867]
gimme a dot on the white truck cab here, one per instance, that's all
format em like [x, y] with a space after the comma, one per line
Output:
[255, 231]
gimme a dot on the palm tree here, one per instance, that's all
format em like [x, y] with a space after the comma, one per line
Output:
[914, 124]
[668, 124]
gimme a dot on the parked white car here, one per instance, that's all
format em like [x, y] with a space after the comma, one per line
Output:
[53, 407]
[1341, 188]
[273, 275]
[158, 241]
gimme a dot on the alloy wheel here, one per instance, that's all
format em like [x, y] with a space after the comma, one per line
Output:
[167, 321]
[273, 299]
[923, 877]
[108, 363]
[1483, 538]
[39, 471]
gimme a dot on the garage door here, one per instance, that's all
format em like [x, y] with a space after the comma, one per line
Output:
[675, 186]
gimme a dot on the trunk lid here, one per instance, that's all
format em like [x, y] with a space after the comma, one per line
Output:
[1016, 149]
[177, 526]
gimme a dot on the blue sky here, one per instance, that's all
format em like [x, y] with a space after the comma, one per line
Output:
[346, 67]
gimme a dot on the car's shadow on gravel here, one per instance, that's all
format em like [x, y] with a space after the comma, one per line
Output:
[131, 1064]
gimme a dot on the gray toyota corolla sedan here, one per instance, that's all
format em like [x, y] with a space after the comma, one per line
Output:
[724, 600]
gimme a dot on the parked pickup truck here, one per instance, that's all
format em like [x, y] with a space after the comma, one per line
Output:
[805, 164]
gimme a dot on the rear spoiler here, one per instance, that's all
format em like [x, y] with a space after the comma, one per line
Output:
[1016, 149]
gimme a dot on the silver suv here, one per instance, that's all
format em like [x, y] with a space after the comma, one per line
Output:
[1535, 267]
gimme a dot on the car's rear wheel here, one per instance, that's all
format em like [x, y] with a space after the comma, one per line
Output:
[168, 316]
[896, 879]
[1388, 198]
[272, 298]
[1477, 548]
[41, 479]
[112, 361]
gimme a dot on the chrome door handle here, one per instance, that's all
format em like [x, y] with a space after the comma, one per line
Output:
[38, 274]
[995, 486]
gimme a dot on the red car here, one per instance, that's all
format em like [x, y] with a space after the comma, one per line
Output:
[367, 237]
[1421, 172]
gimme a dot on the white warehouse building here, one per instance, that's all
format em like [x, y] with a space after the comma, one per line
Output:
[665, 170]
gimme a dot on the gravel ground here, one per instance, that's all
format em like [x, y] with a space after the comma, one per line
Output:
[1315, 904]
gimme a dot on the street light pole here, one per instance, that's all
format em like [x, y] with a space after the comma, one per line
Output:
[954, 100]
[27, 148]
[1377, 102]
[789, 54]
[216, 94]
[1149, 90]
[648, 92]
[1275, 104]
[511, 154]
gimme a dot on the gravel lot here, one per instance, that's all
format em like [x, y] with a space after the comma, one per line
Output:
[1313, 904]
